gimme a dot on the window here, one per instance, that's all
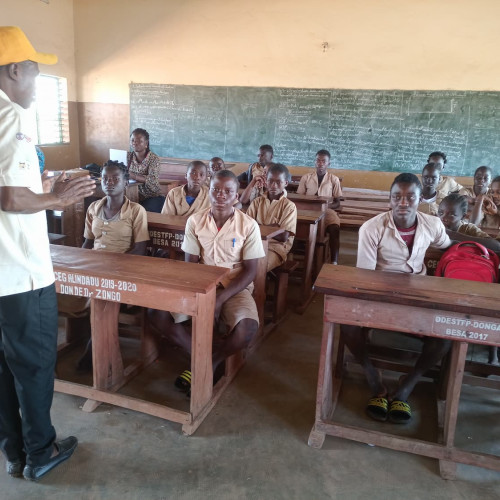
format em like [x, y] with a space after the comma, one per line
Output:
[51, 109]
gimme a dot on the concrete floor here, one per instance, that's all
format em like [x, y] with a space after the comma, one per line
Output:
[253, 445]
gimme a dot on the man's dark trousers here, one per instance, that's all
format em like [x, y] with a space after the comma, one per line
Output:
[28, 351]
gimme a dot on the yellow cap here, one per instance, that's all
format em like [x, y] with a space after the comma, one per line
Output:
[15, 47]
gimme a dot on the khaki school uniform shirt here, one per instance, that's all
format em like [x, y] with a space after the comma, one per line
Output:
[282, 212]
[176, 203]
[25, 262]
[330, 186]
[381, 247]
[447, 185]
[431, 207]
[238, 240]
[120, 234]
[467, 191]
[470, 229]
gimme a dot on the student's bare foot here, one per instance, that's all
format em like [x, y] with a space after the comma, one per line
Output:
[374, 378]
[404, 389]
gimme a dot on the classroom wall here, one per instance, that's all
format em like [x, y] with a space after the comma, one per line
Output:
[49, 26]
[429, 44]
[405, 44]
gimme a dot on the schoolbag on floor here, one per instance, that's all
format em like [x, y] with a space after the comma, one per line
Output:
[469, 260]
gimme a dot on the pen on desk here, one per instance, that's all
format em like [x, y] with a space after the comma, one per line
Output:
[234, 241]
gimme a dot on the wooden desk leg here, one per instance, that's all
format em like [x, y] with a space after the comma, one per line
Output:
[106, 356]
[307, 292]
[325, 390]
[201, 362]
[260, 290]
[447, 469]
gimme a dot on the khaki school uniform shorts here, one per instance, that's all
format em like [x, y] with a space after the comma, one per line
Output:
[273, 260]
[238, 307]
[72, 306]
[331, 217]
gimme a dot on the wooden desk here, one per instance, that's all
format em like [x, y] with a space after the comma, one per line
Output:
[110, 279]
[319, 203]
[307, 231]
[73, 217]
[267, 233]
[304, 202]
[466, 312]
[56, 239]
[167, 233]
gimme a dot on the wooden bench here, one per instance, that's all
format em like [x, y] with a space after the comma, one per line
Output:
[110, 279]
[365, 194]
[414, 304]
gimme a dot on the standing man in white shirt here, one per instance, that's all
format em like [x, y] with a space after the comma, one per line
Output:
[28, 304]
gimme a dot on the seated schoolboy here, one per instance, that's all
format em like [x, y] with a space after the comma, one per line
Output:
[273, 207]
[447, 185]
[257, 186]
[396, 241]
[482, 181]
[193, 196]
[486, 210]
[220, 236]
[214, 165]
[431, 175]
[324, 183]
[265, 158]
[452, 211]
[112, 224]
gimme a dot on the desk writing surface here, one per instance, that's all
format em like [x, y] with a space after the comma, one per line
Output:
[178, 222]
[114, 271]
[384, 130]
[408, 289]
[311, 199]
[309, 215]
[168, 221]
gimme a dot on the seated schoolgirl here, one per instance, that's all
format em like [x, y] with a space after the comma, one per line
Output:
[452, 211]
[113, 224]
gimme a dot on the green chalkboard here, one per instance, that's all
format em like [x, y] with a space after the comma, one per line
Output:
[386, 130]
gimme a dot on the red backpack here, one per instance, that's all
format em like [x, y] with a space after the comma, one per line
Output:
[469, 260]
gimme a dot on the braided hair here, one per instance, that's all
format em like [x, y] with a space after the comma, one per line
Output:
[119, 165]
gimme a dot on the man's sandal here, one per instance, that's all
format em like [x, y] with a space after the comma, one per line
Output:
[377, 409]
[399, 412]
[183, 381]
